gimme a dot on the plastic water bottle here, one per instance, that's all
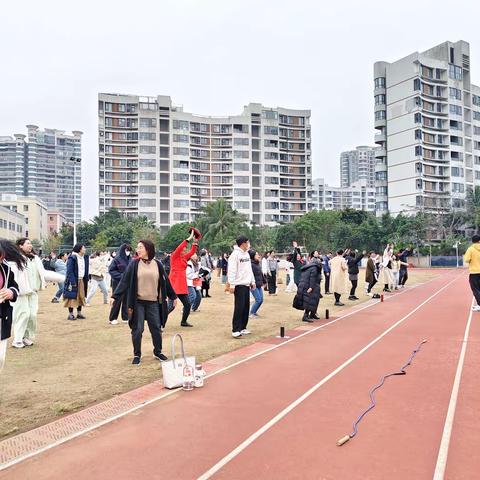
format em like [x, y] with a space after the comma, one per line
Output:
[199, 374]
[188, 378]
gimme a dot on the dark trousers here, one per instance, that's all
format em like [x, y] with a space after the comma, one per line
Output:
[327, 283]
[371, 285]
[474, 280]
[241, 308]
[205, 288]
[183, 297]
[354, 287]
[272, 282]
[337, 297]
[403, 276]
[149, 311]
[120, 303]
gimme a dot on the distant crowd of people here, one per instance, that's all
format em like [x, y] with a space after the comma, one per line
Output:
[145, 289]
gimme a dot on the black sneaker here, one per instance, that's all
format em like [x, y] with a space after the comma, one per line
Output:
[186, 324]
[55, 300]
[161, 357]
[306, 319]
[81, 316]
[339, 304]
[136, 361]
[71, 317]
[352, 297]
[314, 316]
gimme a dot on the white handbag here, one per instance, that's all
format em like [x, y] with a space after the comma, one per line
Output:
[172, 370]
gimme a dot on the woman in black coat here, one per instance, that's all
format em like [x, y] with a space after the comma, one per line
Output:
[353, 261]
[147, 273]
[308, 293]
[8, 292]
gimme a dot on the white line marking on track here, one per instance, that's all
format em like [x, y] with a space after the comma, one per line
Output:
[441, 465]
[21, 458]
[229, 457]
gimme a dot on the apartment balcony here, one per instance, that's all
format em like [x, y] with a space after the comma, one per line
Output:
[380, 138]
[380, 123]
[381, 153]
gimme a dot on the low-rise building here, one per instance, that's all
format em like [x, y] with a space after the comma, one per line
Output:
[33, 209]
[55, 222]
[12, 224]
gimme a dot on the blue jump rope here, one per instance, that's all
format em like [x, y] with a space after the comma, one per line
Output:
[402, 371]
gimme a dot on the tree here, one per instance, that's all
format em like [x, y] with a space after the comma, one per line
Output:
[175, 235]
[473, 206]
[51, 243]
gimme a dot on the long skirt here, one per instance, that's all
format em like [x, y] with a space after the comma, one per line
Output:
[80, 300]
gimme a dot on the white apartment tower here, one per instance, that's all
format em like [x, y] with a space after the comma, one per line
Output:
[427, 114]
[357, 165]
[158, 161]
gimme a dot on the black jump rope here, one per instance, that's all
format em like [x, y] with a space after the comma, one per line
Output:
[402, 371]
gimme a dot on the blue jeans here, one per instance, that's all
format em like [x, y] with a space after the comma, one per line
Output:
[195, 297]
[59, 293]
[258, 296]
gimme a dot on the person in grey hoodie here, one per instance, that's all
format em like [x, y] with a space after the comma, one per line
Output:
[241, 280]
[60, 267]
[272, 271]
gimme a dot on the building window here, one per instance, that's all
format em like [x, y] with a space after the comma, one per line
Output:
[455, 93]
[455, 72]
[418, 134]
[418, 151]
[416, 84]
[418, 118]
[380, 115]
[380, 99]
[380, 82]
[268, 130]
[455, 109]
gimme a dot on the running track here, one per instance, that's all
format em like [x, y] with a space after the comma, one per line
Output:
[278, 415]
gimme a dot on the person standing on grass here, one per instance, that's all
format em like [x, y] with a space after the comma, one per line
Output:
[178, 276]
[371, 273]
[98, 270]
[308, 292]
[298, 263]
[224, 267]
[8, 292]
[117, 268]
[289, 271]
[472, 259]
[241, 280]
[206, 264]
[60, 268]
[338, 272]
[353, 270]
[194, 282]
[272, 272]
[30, 281]
[403, 272]
[76, 281]
[147, 289]
[257, 292]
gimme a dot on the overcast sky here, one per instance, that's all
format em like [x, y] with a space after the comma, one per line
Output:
[213, 57]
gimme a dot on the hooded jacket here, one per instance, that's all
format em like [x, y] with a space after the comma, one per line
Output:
[119, 264]
[240, 268]
[311, 275]
[22, 277]
[472, 257]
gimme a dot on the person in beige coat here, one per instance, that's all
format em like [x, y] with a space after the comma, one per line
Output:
[338, 276]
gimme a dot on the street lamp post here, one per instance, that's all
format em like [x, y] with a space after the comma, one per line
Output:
[456, 249]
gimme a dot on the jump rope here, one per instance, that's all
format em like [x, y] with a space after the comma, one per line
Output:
[402, 371]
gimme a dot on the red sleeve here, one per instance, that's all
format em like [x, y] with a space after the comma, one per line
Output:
[192, 251]
[177, 252]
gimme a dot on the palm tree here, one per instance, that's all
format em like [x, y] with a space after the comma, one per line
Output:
[220, 221]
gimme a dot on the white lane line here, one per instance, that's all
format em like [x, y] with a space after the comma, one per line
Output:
[230, 456]
[441, 465]
[67, 438]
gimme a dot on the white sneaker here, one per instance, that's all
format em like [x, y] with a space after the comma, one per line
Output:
[114, 322]
[18, 345]
[245, 332]
[236, 334]
[27, 342]
[476, 308]
[87, 305]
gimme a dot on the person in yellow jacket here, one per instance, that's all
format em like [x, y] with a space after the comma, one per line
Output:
[472, 258]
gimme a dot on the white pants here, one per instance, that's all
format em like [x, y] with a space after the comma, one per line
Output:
[25, 317]
[291, 287]
[94, 284]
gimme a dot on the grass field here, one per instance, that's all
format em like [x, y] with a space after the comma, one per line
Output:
[76, 364]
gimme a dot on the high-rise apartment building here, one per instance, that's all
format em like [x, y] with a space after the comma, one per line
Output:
[427, 113]
[357, 165]
[46, 164]
[357, 196]
[161, 162]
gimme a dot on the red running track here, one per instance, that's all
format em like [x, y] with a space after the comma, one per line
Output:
[279, 415]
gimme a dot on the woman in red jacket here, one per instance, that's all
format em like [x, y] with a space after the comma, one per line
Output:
[178, 274]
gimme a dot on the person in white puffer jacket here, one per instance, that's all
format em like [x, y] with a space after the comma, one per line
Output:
[241, 280]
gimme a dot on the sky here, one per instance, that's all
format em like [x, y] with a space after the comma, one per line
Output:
[213, 57]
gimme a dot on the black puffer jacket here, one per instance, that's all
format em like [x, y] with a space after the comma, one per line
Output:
[311, 276]
[353, 263]
[257, 273]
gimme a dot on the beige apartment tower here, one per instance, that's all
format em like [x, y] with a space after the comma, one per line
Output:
[158, 161]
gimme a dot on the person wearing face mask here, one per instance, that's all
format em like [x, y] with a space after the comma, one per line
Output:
[117, 268]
